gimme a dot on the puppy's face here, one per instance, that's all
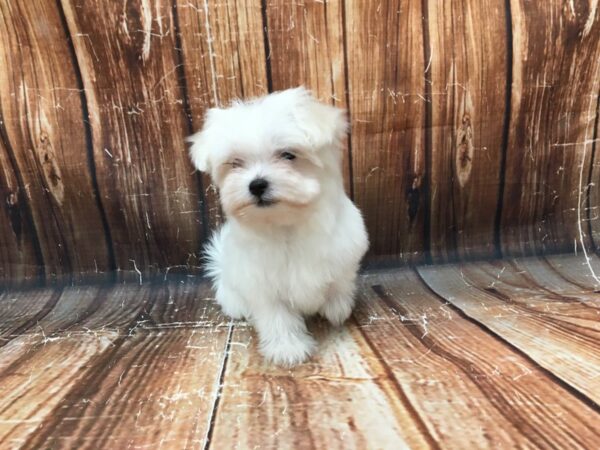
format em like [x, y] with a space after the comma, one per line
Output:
[271, 158]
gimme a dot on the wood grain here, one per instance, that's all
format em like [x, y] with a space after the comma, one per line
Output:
[157, 365]
[20, 255]
[559, 333]
[306, 47]
[385, 57]
[467, 74]
[338, 399]
[84, 361]
[593, 188]
[556, 79]
[129, 67]
[223, 58]
[44, 141]
[449, 367]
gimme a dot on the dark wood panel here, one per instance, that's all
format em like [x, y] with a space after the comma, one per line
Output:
[556, 75]
[560, 333]
[306, 47]
[449, 367]
[385, 54]
[223, 57]
[44, 140]
[467, 72]
[129, 64]
[20, 255]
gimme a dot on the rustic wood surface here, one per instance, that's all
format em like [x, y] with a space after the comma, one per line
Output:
[468, 111]
[554, 100]
[462, 356]
[474, 124]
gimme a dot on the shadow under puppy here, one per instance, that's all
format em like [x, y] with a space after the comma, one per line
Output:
[293, 240]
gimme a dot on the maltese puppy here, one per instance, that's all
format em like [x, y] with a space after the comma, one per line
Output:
[293, 240]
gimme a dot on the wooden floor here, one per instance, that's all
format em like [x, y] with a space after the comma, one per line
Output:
[484, 355]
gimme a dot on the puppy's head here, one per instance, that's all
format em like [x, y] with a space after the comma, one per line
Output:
[272, 158]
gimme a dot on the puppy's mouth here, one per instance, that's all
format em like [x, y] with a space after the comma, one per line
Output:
[265, 202]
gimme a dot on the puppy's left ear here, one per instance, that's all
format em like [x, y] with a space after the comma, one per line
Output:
[324, 125]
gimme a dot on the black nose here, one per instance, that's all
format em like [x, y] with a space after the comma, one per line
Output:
[258, 186]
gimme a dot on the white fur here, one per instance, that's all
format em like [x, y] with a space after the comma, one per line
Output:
[299, 256]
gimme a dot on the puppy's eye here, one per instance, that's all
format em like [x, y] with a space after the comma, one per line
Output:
[287, 155]
[235, 163]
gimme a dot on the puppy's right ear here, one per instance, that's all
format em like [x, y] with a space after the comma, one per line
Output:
[201, 142]
[199, 151]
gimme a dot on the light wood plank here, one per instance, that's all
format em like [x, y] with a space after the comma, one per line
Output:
[343, 398]
[553, 111]
[467, 74]
[579, 270]
[470, 389]
[387, 102]
[561, 336]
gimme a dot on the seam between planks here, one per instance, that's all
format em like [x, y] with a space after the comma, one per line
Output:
[180, 58]
[428, 137]
[265, 24]
[553, 377]
[215, 406]
[505, 131]
[347, 95]
[112, 262]
[402, 397]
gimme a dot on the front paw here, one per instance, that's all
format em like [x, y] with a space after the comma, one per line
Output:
[290, 350]
[234, 312]
[337, 310]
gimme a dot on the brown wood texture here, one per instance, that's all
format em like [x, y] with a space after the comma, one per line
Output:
[129, 64]
[555, 85]
[48, 193]
[306, 47]
[559, 332]
[467, 78]
[156, 365]
[474, 124]
[386, 85]
[223, 58]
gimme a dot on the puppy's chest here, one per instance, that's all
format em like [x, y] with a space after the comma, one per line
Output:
[298, 270]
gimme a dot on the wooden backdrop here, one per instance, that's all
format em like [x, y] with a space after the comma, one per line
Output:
[474, 124]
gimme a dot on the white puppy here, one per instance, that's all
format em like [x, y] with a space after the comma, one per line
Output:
[293, 240]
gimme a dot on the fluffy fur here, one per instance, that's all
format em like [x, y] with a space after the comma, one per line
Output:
[295, 250]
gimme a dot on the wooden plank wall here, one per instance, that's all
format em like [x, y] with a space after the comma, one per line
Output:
[474, 124]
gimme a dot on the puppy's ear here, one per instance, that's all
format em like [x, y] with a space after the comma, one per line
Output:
[323, 124]
[201, 141]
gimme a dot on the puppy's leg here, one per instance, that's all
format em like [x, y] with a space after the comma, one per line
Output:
[340, 301]
[284, 338]
[232, 304]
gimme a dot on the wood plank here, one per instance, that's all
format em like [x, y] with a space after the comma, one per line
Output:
[560, 335]
[593, 187]
[470, 389]
[387, 101]
[44, 138]
[579, 270]
[129, 65]
[76, 379]
[306, 47]
[467, 75]
[338, 398]
[553, 105]
[223, 54]
[20, 255]
[21, 310]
